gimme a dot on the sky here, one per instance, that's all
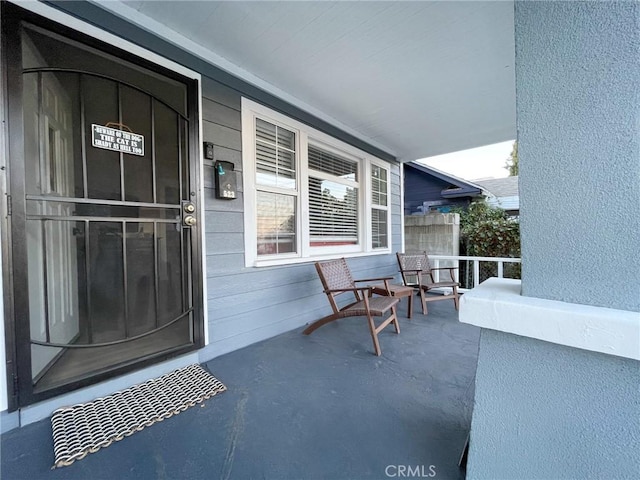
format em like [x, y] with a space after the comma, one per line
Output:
[474, 164]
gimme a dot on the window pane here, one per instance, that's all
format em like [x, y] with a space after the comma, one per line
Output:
[275, 156]
[286, 139]
[287, 165]
[265, 131]
[266, 164]
[378, 186]
[332, 164]
[379, 228]
[276, 223]
[333, 213]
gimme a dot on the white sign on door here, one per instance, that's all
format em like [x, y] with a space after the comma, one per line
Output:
[117, 140]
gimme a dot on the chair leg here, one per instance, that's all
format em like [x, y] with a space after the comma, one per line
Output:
[396, 325]
[374, 335]
[423, 297]
[456, 298]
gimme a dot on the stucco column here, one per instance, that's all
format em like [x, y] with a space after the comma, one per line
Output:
[578, 118]
[559, 360]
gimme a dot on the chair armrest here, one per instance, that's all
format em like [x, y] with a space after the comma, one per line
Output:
[411, 271]
[374, 279]
[451, 274]
[354, 289]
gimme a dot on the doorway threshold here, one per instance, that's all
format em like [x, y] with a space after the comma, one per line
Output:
[39, 411]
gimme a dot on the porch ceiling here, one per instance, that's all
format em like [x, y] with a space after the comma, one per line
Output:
[414, 78]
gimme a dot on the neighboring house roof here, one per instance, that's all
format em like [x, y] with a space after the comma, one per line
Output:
[500, 187]
[499, 192]
[502, 192]
[459, 187]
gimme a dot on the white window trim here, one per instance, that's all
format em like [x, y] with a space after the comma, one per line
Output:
[387, 208]
[304, 136]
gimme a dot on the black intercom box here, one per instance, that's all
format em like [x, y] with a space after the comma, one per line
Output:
[208, 150]
[225, 179]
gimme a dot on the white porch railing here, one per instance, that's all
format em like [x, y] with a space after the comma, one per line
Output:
[445, 261]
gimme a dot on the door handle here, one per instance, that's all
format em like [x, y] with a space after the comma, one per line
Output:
[188, 214]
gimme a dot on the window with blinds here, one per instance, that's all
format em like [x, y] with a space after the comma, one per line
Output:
[308, 195]
[379, 207]
[276, 195]
[333, 199]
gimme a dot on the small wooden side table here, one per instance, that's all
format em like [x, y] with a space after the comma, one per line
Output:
[398, 291]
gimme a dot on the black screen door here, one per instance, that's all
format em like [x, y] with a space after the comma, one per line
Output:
[105, 246]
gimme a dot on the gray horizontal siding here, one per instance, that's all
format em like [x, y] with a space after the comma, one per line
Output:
[246, 305]
[255, 335]
[240, 303]
[224, 136]
[229, 155]
[236, 325]
[217, 92]
[220, 221]
[224, 243]
[213, 204]
[258, 279]
[220, 114]
[397, 243]
[220, 264]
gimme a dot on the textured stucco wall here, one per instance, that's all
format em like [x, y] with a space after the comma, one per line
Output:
[546, 411]
[578, 108]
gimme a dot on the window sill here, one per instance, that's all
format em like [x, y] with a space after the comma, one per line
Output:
[316, 258]
[496, 304]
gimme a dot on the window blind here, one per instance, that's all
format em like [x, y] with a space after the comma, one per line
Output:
[333, 204]
[275, 155]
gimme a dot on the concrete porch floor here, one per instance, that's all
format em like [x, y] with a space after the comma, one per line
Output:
[302, 407]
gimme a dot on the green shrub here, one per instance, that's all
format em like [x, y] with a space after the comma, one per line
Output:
[486, 231]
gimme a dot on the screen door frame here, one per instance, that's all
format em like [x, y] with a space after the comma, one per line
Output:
[16, 302]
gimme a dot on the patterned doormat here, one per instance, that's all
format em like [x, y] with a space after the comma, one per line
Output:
[87, 427]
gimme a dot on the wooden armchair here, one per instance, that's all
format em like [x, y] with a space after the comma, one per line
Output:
[336, 279]
[417, 272]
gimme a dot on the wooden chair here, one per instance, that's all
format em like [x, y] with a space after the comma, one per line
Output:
[417, 272]
[336, 279]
